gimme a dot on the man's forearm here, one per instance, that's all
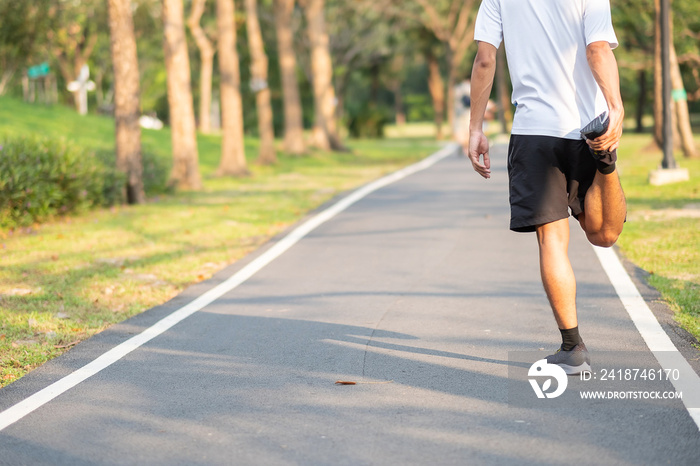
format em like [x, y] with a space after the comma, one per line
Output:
[482, 81]
[604, 67]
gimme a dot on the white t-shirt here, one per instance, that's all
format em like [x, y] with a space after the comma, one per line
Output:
[554, 90]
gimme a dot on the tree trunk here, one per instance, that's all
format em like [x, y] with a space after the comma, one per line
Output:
[6, 78]
[641, 101]
[453, 68]
[680, 108]
[658, 97]
[185, 172]
[206, 68]
[127, 105]
[397, 65]
[25, 87]
[258, 73]
[293, 120]
[398, 107]
[437, 92]
[232, 149]
[325, 133]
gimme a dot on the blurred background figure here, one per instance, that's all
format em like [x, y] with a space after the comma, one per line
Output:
[462, 103]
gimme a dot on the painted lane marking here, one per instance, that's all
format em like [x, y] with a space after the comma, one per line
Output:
[40, 398]
[654, 336]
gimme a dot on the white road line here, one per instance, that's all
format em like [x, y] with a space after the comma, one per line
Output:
[656, 339]
[26, 406]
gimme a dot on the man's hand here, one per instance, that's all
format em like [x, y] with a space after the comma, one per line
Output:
[611, 139]
[478, 146]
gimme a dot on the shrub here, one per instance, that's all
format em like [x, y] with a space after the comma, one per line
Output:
[156, 171]
[42, 177]
[155, 175]
[369, 122]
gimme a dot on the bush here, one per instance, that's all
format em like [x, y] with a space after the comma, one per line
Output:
[43, 177]
[155, 175]
[156, 171]
[369, 122]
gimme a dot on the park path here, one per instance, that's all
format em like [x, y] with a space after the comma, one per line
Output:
[419, 291]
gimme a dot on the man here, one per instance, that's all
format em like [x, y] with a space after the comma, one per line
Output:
[564, 75]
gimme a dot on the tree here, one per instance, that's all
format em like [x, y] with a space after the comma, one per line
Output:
[639, 34]
[206, 69]
[126, 98]
[363, 39]
[23, 26]
[682, 130]
[293, 121]
[452, 22]
[634, 25]
[258, 72]
[680, 107]
[394, 83]
[232, 150]
[75, 31]
[325, 132]
[185, 172]
[436, 87]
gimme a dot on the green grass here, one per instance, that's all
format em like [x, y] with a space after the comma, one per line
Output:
[662, 235]
[65, 280]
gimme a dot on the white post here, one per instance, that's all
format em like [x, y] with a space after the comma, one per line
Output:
[82, 85]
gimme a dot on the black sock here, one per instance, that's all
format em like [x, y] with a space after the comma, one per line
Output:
[605, 161]
[569, 338]
[605, 168]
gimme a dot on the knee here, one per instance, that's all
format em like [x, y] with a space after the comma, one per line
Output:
[603, 239]
[553, 236]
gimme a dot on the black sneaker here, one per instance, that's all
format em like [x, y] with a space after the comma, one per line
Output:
[573, 362]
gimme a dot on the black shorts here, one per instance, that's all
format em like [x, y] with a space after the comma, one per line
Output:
[548, 176]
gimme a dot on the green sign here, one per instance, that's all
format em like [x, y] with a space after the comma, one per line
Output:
[38, 71]
[679, 94]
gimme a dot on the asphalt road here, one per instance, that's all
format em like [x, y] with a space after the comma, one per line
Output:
[419, 292]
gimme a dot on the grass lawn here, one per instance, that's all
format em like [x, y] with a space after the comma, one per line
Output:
[65, 280]
[662, 234]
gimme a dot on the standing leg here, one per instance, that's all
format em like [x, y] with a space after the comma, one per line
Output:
[560, 285]
[557, 275]
[606, 209]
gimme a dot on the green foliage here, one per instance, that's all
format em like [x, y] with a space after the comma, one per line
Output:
[369, 122]
[418, 107]
[634, 22]
[156, 171]
[155, 175]
[41, 177]
[22, 28]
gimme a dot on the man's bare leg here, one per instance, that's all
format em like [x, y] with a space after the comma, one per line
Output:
[557, 275]
[606, 209]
